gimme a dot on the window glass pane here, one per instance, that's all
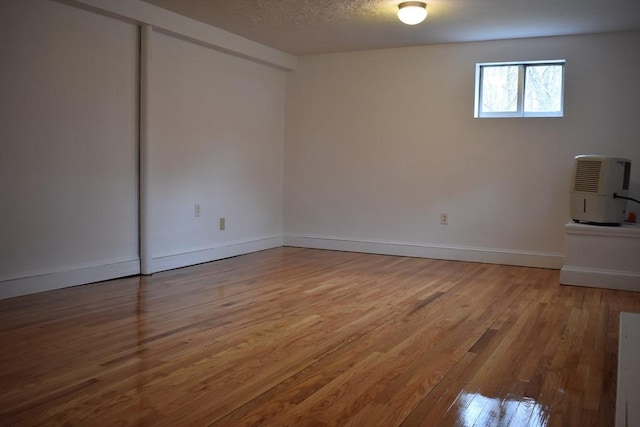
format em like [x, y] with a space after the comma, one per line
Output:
[543, 89]
[499, 89]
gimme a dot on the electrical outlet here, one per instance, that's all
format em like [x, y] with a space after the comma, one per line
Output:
[196, 209]
[222, 223]
[444, 218]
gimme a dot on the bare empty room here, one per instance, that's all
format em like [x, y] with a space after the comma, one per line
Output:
[328, 212]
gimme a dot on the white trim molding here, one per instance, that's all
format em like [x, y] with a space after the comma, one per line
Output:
[628, 390]
[449, 252]
[596, 278]
[31, 284]
[144, 13]
[602, 257]
[48, 281]
[225, 250]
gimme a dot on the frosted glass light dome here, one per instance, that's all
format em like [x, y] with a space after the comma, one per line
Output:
[412, 12]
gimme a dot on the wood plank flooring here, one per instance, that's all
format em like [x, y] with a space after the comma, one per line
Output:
[306, 337]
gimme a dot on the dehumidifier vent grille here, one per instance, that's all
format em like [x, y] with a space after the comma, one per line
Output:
[588, 176]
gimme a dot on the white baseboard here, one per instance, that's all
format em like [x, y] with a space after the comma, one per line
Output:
[456, 253]
[591, 277]
[169, 262]
[64, 279]
[83, 275]
[57, 280]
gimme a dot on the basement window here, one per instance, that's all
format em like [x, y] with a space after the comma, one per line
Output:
[520, 89]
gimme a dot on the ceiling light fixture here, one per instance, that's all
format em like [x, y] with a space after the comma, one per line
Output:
[412, 12]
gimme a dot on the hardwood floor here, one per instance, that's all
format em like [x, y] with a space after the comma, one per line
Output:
[304, 337]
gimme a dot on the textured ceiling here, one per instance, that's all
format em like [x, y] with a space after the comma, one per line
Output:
[317, 26]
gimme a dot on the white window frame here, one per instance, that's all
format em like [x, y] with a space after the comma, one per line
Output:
[522, 66]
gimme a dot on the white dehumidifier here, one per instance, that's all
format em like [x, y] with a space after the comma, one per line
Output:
[596, 183]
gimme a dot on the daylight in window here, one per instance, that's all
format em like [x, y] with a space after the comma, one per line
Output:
[526, 89]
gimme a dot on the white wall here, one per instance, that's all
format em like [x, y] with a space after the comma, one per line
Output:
[216, 138]
[68, 147]
[379, 143]
[375, 145]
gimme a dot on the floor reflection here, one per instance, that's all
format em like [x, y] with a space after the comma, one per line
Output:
[144, 404]
[474, 409]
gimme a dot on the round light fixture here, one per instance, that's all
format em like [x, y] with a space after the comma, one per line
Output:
[412, 12]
